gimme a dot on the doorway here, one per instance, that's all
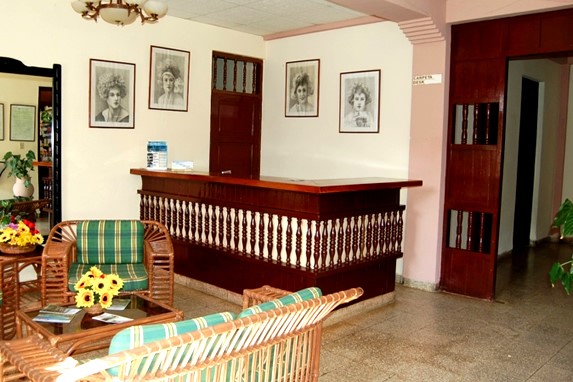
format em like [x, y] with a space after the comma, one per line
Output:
[525, 165]
[473, 199]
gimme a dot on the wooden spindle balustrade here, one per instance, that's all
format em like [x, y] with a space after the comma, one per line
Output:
[269, 237]
[239, 233]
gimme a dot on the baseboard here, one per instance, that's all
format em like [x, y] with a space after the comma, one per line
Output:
[338, 315]
[422, 285]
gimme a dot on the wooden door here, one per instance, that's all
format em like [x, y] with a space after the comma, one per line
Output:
[473, 169]
[236, 102]
[479, 56]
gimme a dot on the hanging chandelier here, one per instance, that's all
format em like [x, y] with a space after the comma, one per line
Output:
[121, 12]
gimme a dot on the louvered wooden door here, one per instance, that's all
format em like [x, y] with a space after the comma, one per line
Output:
[473, 171]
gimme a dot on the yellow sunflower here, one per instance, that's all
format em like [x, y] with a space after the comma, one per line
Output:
[115, 283]
[84, 298]
[96, 272]
[105, 299]
[100, 286]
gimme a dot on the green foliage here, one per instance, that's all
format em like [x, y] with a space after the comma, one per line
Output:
[20, 166]
[564, 220]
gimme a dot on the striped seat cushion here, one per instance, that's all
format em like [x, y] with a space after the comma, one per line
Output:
[139, 335]
[134, 276]
[301, 295]
[110, 241]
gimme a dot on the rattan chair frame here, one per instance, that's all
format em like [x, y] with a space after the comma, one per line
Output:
[60, 252]
[10, 297]
[282, 344]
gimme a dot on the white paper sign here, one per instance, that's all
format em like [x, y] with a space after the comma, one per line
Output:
[427, 79]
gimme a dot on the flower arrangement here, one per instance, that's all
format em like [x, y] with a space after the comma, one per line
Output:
[96, 287]
[21, 233]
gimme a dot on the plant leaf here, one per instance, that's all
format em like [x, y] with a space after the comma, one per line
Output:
[555, 273]
[564, 217]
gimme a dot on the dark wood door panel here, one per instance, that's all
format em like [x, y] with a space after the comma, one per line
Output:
[472, 176]
[234, 158]
[235, 116]
[478, 81]
[463, 267]
[478, 40]
[540, 33]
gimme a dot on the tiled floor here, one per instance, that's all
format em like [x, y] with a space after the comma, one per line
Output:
[525, 335]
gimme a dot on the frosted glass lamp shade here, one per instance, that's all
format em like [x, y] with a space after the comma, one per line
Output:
[135, 2]
[79, 6]
[117, 16]
[155, 7]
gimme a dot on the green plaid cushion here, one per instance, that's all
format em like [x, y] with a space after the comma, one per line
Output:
[301, 295]
[134, 276]
[110, 241]
[139, 335]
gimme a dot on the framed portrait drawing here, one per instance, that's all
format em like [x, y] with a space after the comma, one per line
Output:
[1, 121]
[168, 79]
[22, 123]
[302, 88]
[112, 94]
[360, 102]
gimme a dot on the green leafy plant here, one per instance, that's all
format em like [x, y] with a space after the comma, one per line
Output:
[563, 271]
[20, 166]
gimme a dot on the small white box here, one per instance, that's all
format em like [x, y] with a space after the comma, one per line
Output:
[182, 165]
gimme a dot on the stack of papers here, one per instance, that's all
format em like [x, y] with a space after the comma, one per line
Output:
[111, 318]
[56, 314]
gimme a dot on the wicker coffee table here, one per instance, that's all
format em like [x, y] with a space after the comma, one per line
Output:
[84, 334]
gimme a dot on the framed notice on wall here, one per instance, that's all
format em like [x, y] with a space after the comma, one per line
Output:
[22, 122]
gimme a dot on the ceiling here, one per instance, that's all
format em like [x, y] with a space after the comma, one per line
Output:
[263, 17]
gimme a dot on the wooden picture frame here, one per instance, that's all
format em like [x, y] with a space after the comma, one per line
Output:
[112, 94]
[302, 84]
[360, 102]
[22, 123]
[1, 121]
[168, 79]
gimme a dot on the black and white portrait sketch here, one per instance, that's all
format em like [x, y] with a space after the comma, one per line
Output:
[301, 88]
[359, 102]
[168, 79]
[112, 93]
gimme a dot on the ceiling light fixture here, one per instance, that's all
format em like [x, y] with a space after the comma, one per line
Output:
[121, 12]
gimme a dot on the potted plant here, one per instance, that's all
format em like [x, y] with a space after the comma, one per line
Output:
[563, 271]
[20, 166]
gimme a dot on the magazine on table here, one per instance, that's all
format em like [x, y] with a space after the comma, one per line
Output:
[111, 318]
[119, 303]
[56, 314]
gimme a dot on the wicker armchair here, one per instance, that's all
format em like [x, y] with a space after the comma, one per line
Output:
[281, 344]
[9, 299]
[61, 254]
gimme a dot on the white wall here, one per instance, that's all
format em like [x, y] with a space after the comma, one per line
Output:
[18, 90]
[567, 191]
[95, 176]
[547, 73]
[313, 147]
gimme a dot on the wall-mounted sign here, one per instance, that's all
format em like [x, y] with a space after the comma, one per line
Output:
[427, 79]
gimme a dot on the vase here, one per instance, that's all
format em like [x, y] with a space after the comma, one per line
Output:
[17, 249]
[93, 310]
[20, 189]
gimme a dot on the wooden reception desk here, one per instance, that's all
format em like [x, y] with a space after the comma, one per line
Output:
[240, 233]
